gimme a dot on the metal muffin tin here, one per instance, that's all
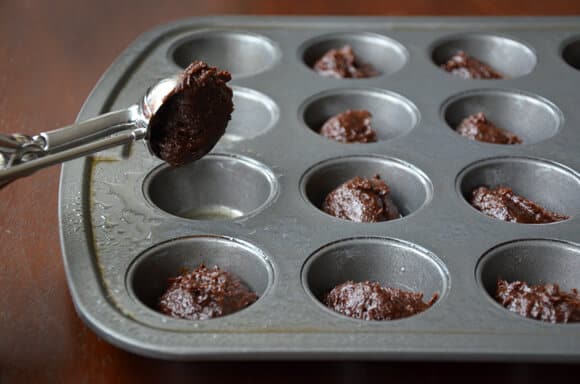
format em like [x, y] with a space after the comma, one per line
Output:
[124, 215]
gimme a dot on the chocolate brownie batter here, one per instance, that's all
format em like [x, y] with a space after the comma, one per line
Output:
[342, 63]
[467, 67]
[361, 200]
[541, 302]
[205, 293]
[502, 203]
[193, 116]
[478, 127]
[371, 301]
[352, 126]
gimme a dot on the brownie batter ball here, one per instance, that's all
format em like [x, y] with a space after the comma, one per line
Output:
[193, 116]
[352, 126]
[541, 302]
[205, 293]
[502, 203]
[467, 67]
[361, 200]
[371, 301]
[341, 63]
[478, 127]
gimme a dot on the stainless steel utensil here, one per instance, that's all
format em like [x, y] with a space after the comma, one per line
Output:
[21, 155]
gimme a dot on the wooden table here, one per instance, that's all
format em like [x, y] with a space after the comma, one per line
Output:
[51, 55]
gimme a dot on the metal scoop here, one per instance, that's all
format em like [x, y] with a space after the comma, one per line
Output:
[21, 155]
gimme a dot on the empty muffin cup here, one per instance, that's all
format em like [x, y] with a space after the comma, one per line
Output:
[507, 56]
[392, 114]
[384, 54]
[391, 262]
[533, 261]
[410, 188]
[549, 184]
[241, 53]
[532, 118]
[571, 52]
[254, 114]
[148, 276]
[216, 187]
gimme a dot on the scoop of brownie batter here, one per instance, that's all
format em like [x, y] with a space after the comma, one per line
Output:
[352, 126]
[369, 300]
[361, 200]
[541, 302]
[193, 116]
[467, 67]
[342, 63]
[502, 203]
[478, 127]
[205, 293]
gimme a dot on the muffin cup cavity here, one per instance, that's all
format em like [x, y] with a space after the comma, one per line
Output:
[241, 53]
[386, 55]
[530, 117]
[254, 115]
[216, 187]
[410, 188]
[571, 52]
[147, 278]
[391, 262]
[534, 261]
[392, 114]
[549, 184]
[509, 57]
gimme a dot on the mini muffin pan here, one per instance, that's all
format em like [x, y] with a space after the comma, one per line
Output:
[252, 206]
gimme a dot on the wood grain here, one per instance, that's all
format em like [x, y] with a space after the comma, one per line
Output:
[51, 55]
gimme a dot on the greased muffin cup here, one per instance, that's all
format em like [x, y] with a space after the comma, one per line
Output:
[252, 206]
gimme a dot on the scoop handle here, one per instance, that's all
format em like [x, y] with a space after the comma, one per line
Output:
[73, 141]
[89, 130]
[10, 174]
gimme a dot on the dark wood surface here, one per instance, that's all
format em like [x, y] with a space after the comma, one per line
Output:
[51, 55]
